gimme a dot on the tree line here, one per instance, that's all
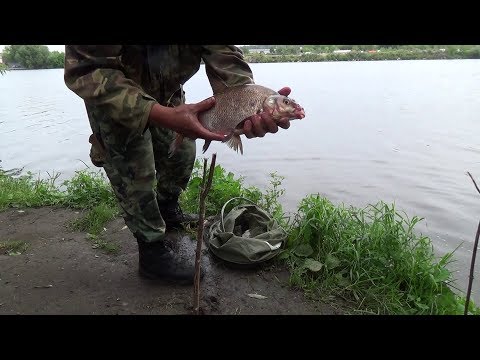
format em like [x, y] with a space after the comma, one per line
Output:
[317, 53]
[40, 57]
[32, 57]
[325, 49]
[358, 56]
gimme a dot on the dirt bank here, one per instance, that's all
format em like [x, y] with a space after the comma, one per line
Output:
[61, 273]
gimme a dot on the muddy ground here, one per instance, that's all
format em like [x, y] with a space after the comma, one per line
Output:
[61, 272]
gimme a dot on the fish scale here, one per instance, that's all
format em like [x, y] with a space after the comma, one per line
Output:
[234, 105]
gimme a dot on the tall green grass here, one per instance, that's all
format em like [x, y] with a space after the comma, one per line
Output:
[225, 186]
[18, 190]
[86, 190]
[372, 258]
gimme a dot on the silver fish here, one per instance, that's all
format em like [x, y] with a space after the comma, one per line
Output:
[233, 105]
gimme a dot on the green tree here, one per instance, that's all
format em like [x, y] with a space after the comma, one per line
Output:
[28, 56]
[56, 60]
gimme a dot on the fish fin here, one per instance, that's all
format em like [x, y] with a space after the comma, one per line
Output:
[175, 145]
[206, 145]
[228, 137]
[235, 142]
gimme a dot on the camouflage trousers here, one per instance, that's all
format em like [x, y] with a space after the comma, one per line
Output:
[141, 174]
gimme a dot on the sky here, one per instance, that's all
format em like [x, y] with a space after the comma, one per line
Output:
[50, 47]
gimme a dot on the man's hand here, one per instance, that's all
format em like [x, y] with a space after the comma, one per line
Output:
[259, 125]
[183, 119]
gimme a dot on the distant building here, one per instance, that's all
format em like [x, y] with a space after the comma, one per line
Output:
[15, 66]
[259, 51]
[341, 51]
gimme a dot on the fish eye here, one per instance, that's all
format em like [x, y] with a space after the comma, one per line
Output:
[286, 102]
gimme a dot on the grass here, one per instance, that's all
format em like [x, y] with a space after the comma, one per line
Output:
[91, 191]
[84, 191]
[25, 191]
[94, 220]
[99, 243]
[87, 190]
[371, 258]
[226, 186]
[13, 247]
[93, 223]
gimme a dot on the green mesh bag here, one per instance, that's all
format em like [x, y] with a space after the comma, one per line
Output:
[246, 235]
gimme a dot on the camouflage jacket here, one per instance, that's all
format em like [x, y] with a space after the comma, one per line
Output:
[123, 82]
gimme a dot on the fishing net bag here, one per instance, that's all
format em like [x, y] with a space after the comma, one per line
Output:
[246, 235]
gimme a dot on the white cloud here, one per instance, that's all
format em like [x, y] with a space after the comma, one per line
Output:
[50, 47]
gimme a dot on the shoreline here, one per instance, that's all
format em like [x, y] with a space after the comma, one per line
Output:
[83, 223]
[270, 59]
[273, 59]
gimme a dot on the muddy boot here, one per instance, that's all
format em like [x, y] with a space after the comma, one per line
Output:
[157, 261]
[175, 218]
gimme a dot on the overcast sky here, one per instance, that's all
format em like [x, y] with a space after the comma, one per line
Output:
[50, 47]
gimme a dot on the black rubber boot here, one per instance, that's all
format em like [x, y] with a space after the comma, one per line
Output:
[175, 218]
[157, 261]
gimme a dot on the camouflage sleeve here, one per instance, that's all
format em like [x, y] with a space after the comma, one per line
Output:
[226, 66]
[95, 73]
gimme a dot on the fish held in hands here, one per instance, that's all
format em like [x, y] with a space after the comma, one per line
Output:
[236, 104]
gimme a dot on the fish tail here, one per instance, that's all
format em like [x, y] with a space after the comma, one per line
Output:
[175, 145]
[206, 145]
[235, 142]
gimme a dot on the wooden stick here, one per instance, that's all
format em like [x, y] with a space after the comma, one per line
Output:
[205, 188]
[474, 183]
[474, 255]
[472, 267]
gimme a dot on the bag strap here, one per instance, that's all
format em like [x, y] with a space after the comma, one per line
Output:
[224, 205]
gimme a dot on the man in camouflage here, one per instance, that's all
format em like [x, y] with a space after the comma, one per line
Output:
[135, 102]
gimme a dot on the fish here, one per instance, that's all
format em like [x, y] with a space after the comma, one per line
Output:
[233, 105]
